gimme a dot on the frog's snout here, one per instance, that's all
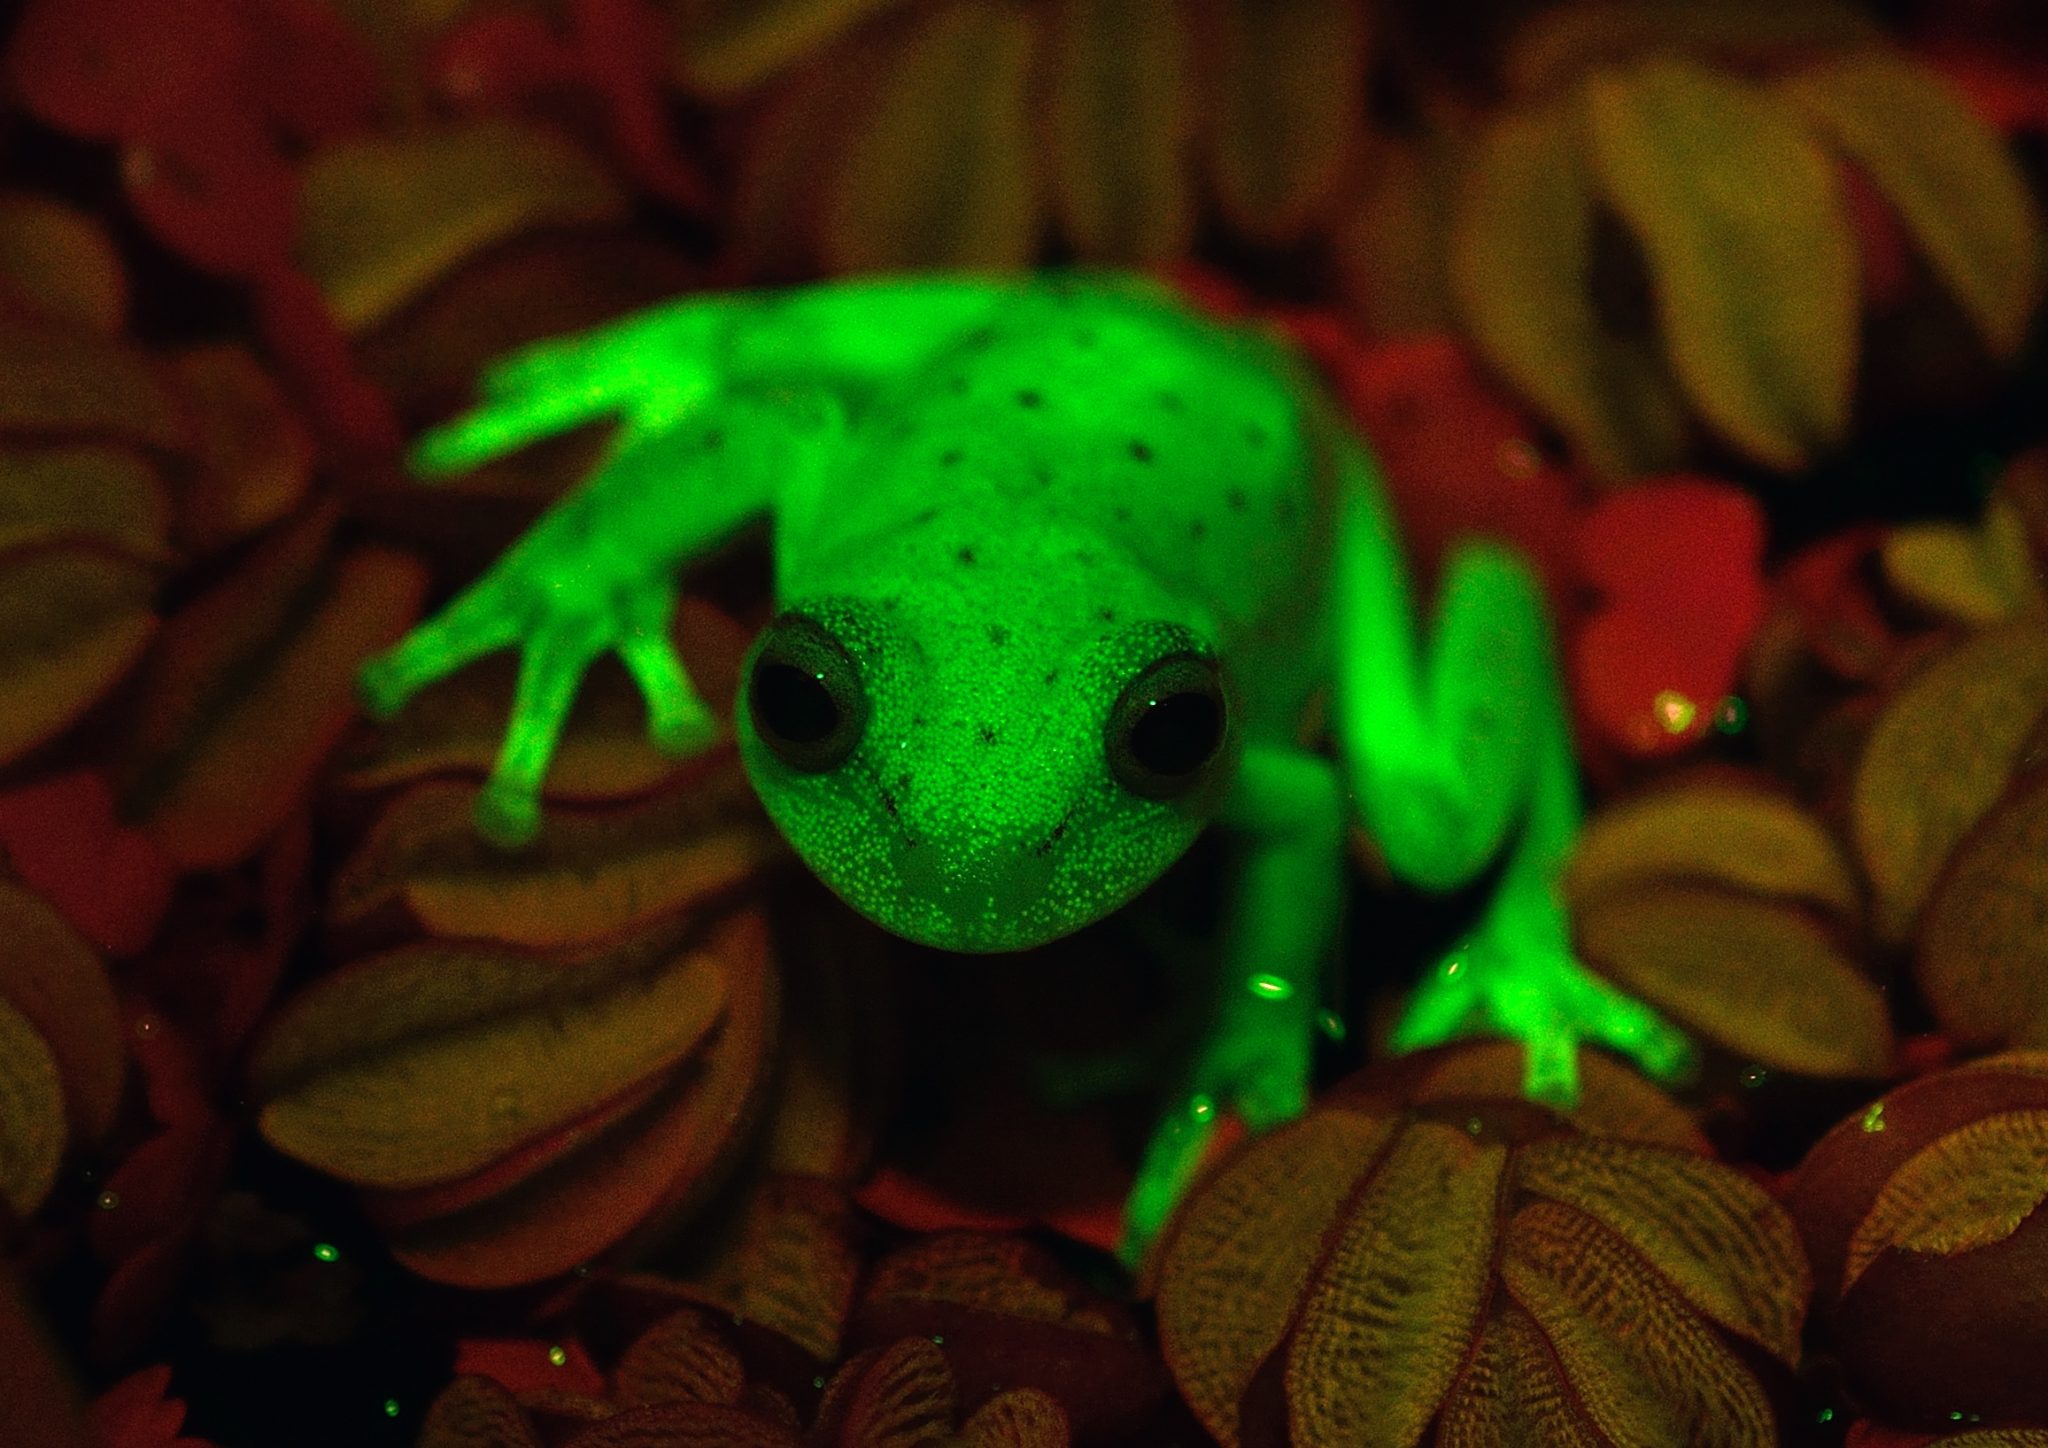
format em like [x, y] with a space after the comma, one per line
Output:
[984, 894]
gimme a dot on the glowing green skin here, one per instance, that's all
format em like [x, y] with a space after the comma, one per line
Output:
[1005, 497]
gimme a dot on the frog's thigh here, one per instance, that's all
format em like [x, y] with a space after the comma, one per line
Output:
[1287, 812]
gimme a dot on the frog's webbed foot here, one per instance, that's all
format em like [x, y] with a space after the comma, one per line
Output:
[1261, 1078]
[1517, 977]
[562, 620]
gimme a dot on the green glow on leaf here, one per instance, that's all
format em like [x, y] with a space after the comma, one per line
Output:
[558, 1355]
[1270, 987]
[1675, 711]
[1732, 716]
[391, 1407]
[1873, 1119]
[326, 1252]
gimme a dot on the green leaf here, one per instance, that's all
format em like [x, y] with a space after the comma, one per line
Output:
[1289, 110]
[1121, 121]
[941, 172]
[1749, 246]
[1521, 254]
[1947, 174]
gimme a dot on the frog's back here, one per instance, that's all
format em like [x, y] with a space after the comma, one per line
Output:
[1181, 443]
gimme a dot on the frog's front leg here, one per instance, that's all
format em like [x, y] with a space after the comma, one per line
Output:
[1457, 750]
[597, 573]
[1280, 924]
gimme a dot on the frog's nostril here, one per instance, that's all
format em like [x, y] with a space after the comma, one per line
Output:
[976, 888]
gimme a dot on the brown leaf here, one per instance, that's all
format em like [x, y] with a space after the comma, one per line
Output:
[1949, 176]
[1610, 1314]
[1715, 831]
[426, 1063]
[686, 1425]
[1916, 793]
[1288, 115]
[679, 1360]
[734, 45]
[1750, 250]
[1560, 44]
[788, 1263]
[1391, 1310]
[591, 874]
[474, 1412]
[1759, 978]
[1521, 246]
[85, 491]
[31, 1115]
[792, 148]
[939, 173]
[1985, 934]
[60, 261]
[575, 1192]
[251, 685]
[903, 1399]
[1121, 115]
[1972, 575]
[254, 455]
[1613, 1100]
[386, 215]
[72, 620]
[60, 986]
[1923, 1218]
[65, 381]
[1020, 1418]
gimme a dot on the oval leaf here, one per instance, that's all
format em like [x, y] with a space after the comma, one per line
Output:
[1972, 1187]
[1986, 931]
[1121, 120]
[386, 215]
[72, 621]
[64, 380]
[1717, 832]
[591, 874]
[1948, 175]
[1758, 978]
[107, 495]
[61, 987]
[474, 1412]
[426, 1063]
[940, 173]
[732, 45]
[61, 261]
[31, 1114]
[1521, 249]
[1289, 109]
[1749, 245]
[1915, 794]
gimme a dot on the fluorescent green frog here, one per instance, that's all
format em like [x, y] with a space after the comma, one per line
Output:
[1061, 569]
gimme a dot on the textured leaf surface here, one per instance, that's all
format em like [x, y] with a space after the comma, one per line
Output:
[1947, 174]
[1749, 248]
[1755, 976]
[1289, 109]
[474, 1412]
[1254, 1249]
[940, 172]
[1392, 1307]
[1940, 753]
[60, 381]
[679, 1360]
[1521, 249]
[1986, 931]
[384, 216]
[1758, 842]
[1121, 119]
[592, 874]
[72, 621]
[426, 1063]
[1968, 1189]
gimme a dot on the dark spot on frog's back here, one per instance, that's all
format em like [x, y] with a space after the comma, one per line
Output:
[998, 634]
[950, 458]
[966, 557]
[1173, 402]
[1198, 530]
[1030, 397]
[1236, 499]
[1141, 450]
[987, 733]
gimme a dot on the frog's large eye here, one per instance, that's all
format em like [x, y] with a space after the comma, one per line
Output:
[1167, 727]
[804, 695]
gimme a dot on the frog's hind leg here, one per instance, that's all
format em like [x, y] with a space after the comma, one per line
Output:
[1461, 749]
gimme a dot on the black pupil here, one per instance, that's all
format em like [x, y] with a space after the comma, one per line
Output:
[1177, 734]
[793, 703]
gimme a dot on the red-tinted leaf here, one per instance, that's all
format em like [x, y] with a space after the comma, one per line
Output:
[61, 837]
[60, 262]
[106, 68]
[210, 183]
[255, 457]
[527, 1365]
[137, 1413]
[72, 621]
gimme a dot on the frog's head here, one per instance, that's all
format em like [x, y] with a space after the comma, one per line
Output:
[991, 752]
